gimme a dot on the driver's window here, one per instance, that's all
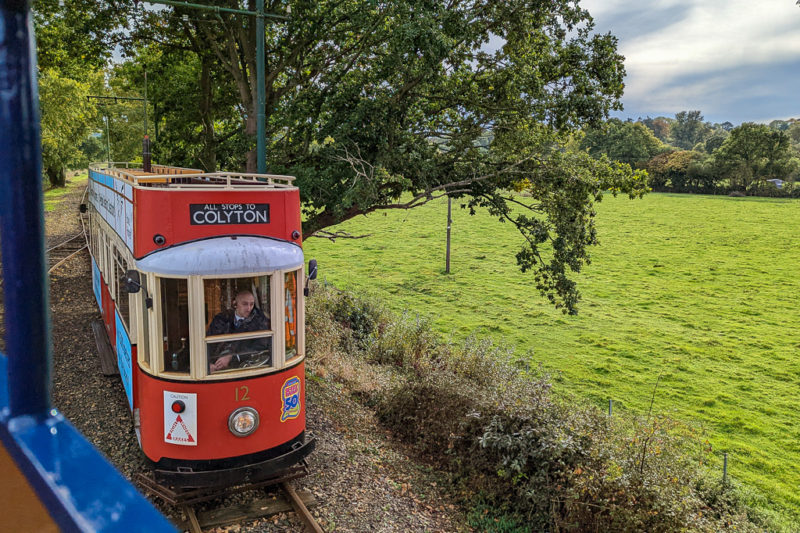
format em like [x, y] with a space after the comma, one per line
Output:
[238, 323]
[175, 324]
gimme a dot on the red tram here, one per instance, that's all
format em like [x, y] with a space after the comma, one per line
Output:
[199, 278]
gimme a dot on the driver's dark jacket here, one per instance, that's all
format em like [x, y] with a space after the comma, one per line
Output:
[224, 323]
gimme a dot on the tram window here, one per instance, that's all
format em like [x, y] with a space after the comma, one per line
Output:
[220, 298]
[95, 237]
[144, 339]
[240, 307]
[230, 354]
[175, 324]
[290, 302]
[121, 297]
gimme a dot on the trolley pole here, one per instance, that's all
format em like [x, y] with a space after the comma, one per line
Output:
[108, 142]
[145, 103]
[261, 138]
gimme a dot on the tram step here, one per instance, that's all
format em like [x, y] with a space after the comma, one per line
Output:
[108, 360]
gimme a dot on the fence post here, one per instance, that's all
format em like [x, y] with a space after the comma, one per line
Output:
[725, 468]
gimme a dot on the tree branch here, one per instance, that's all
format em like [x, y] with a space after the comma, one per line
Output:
[322, 234]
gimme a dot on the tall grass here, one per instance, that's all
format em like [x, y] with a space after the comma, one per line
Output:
[701, 290]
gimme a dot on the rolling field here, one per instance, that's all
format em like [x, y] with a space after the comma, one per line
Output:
[700, 290]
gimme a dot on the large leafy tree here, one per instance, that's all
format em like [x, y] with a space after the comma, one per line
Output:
[688, 129]
[72, 48]
[754, 153]
[378, 105]
[67, 118]
[680, 171]
[660, 127]
[627, 142]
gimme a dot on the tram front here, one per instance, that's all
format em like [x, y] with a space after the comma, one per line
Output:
[220, 384]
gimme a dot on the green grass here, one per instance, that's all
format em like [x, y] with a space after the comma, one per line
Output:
[54, 195]
[700, 290]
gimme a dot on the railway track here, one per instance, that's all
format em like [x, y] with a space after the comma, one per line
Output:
[188, 501]
[68, 248]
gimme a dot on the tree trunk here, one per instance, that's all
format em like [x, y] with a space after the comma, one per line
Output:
[208, 157]
[57, 176]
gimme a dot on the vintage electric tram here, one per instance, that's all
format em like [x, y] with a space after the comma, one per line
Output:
[199, 278]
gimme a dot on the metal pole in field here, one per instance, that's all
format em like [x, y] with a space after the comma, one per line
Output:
[610, 406]
[449, 223]
[108, 143]
[261, 140]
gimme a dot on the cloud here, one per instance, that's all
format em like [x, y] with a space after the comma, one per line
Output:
[706, 51]
[738, 94]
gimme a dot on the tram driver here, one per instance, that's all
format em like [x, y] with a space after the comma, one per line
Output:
[244, 317]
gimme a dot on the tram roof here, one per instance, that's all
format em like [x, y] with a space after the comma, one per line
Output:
[162, 176]
[229, 255]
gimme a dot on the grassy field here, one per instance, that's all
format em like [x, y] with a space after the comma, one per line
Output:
[700, 290]
[54, 195]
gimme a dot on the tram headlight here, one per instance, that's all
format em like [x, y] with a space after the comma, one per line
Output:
[243, 421]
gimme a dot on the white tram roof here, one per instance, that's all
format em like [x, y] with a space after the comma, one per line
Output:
[223, 255]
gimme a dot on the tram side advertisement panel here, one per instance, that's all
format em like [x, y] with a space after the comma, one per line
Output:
[97, 284]
[113, 200]
[124, 358]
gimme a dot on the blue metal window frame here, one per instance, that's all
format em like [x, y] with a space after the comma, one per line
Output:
[80, 489]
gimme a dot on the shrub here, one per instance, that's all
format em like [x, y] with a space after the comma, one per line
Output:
[401, 341]
[501, 432]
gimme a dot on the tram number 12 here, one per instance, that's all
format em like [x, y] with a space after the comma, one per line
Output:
[241, 393]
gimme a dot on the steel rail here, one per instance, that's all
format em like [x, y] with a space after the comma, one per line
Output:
[81, 233]
[70, 256]
[302, 511]
[62, 243]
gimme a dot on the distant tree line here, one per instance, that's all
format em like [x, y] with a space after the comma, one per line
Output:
[687, 154]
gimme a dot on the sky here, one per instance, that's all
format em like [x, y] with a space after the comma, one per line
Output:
[734, 60]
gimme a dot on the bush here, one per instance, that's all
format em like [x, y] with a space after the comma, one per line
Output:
[401, 341]
[501, 432]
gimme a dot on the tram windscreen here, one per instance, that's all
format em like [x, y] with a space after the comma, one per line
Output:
[238, 323]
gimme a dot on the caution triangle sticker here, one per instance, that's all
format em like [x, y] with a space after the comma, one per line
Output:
[180, 436]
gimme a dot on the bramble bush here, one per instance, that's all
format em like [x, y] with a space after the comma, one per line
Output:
[503, 434]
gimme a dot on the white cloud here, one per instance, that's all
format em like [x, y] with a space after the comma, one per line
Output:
[701, 42]
[715, 35]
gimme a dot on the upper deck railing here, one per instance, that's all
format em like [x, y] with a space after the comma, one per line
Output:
[162, 176]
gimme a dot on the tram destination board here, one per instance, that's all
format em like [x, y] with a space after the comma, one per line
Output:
[216, 214]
